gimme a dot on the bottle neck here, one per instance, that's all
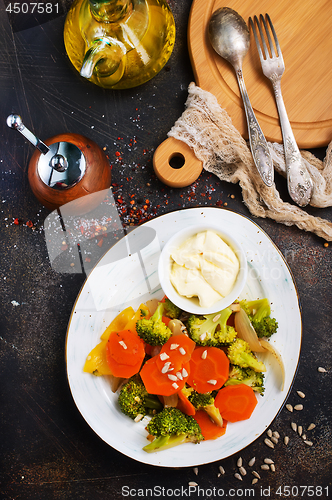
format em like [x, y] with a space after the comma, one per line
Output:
[110, 11]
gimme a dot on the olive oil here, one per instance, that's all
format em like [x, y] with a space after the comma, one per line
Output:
[119, 43]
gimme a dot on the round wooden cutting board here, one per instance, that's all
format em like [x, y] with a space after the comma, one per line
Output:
[303, 28]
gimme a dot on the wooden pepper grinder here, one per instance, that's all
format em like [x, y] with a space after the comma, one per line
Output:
[64, 168]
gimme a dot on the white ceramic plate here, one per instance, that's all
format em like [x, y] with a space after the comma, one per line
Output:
[127, 275]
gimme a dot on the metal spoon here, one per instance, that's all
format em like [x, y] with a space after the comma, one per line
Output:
[229, 36]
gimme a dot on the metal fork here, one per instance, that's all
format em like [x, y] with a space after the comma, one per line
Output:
[299, 182]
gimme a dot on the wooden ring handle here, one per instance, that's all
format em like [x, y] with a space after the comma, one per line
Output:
[176, 177]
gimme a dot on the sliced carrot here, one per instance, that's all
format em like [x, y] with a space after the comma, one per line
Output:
[166, 320]
[160, 383]
[209, 369]
[178, 350]
[119, 322]
[209, 429]
[185, 405]
[124, 353]
[236, 402]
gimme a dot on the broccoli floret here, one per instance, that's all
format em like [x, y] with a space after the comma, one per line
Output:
[211, 329]
[238, 375]
[134, 399]
[259, 313]
[170, 428]
[205, 402]
[239, 353]
[153, 331]
[171, 310]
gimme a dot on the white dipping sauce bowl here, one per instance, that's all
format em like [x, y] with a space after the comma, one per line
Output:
[191, 305]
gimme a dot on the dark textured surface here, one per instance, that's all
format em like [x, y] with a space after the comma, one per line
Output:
[47, 449]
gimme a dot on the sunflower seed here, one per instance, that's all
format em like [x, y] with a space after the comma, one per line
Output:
[192, 483]
[163, 356]
[184, 373]
[274, 440]
[251, 462]
[195, 469]
[215, 319]
[204, 354]
[175, 385]
[311, 426]
[123, 344]
[254, 481]
[321, 369]
[309, 443]
[301, 394]
[269, 443]
[238, 476]
[138, 417]
[304, 437]
[298, 407]
[286, 440]
[265, 467]
[289, 407]
[273, 467]
[166, 367]
[239, 462]
[300, 430]
[276, 434]
[268, 461]
[212, 382]
[254, 473]
[269, 433]
[182, 351]
[222, 470]
[172, 377]
[179, 375]
[294, 426]
[242, 471]
[202, 337]
[173, 347]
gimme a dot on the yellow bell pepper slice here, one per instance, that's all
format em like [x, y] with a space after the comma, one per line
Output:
[119, 322]
[96, 360]
[131, 325]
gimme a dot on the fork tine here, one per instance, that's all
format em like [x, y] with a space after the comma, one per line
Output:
[267, 34]
[274, 36]
[261, 55]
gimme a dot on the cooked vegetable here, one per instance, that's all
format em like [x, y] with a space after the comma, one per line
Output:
[120, 322]
[212, 329]
[163, 384]
[209, 429]
[175, 353]
[142, 312]
[171, 428]
[124, 353]
[209, 368]
[259, 313]
[134, 400]
[239, 353]
[153, 331]
[270, 348]
[236, 402]
[205, 402]
[246, 331]
[183, 402]
[96, 362]
[238, 375]
[171, 310]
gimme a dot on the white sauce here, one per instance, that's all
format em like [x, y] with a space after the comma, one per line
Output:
[204, 266]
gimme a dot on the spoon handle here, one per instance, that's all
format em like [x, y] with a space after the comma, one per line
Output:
[258, 145]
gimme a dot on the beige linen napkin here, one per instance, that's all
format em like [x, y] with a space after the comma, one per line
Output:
[208, 130]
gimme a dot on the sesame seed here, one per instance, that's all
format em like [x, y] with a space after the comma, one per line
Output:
[222, 470]
[163, 356]
[182, 351]
[184, 373]
[172, 377]
[122, 344]
[179, 375]
[212, 382]
[175, 385]
[166, 367]
[204, 354]
[269, 443]
[173, 347]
